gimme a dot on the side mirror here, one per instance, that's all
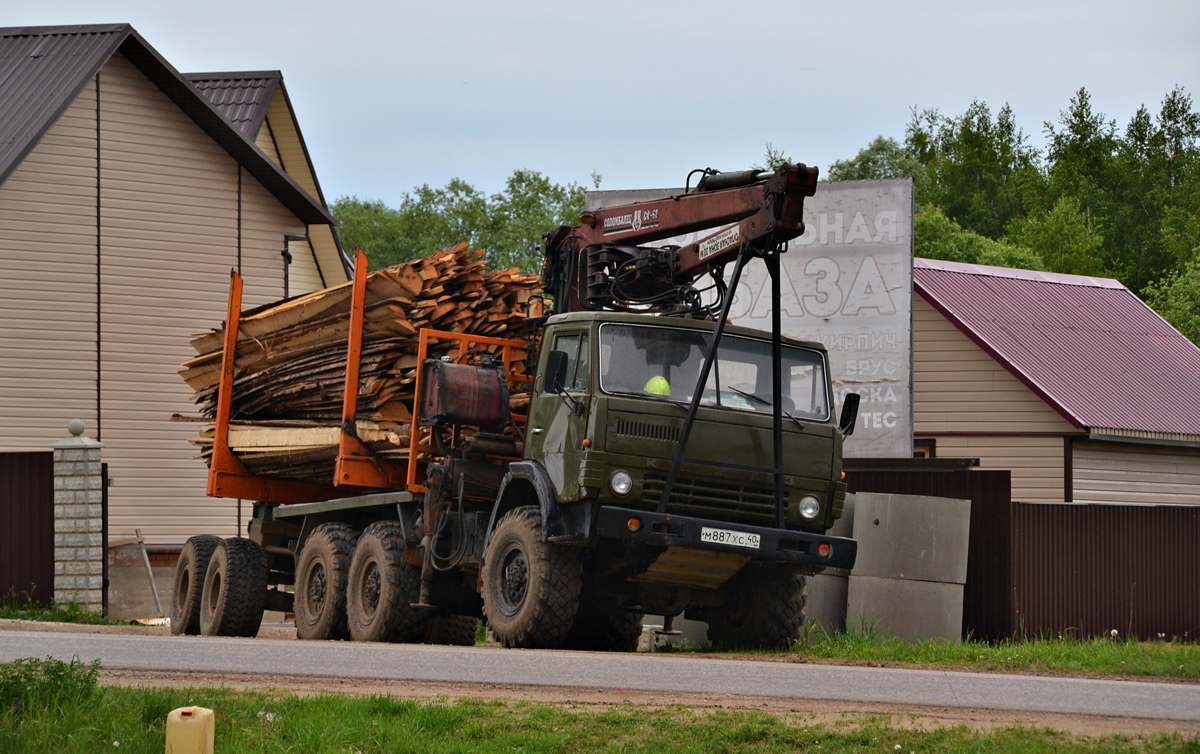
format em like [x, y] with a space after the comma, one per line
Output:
[556, 371]
[849, 413]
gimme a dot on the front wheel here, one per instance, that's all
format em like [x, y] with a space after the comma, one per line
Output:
[530, 587]
[764, 609]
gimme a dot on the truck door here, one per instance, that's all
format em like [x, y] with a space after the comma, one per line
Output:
[556, 428]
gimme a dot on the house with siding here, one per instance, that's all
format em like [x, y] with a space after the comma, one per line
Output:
[128, 191]
[1072, 382]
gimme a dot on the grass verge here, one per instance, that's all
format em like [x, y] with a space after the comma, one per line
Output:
[15, 606]
[1065, 654]
[52, 706]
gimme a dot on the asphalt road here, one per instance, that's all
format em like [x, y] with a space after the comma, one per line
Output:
[643, 672]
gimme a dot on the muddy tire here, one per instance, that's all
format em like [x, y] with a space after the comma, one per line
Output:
[382, 588]
[530, 587]
[459, 630]
[322, 573]
[189, 583]
[764, 609]
[235, 589]
[598, 630]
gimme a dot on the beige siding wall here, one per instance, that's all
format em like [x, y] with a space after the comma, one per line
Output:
[287, 141]
[304, 275]
[266, 143]
[1106, 472]
[957, 387]
[48, 285]
[169, 230]
[1036, 463]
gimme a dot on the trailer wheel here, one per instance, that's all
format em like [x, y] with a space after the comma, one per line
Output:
[530, 587]
[597, 629]
[460, 630]
[235, 589]
[383, 588]
[189, 583]
[764, 609]
[322, 572]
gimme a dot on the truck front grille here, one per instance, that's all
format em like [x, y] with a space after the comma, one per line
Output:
[721, 501]
[647, 430]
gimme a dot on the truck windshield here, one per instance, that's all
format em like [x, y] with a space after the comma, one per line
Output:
[664, 363]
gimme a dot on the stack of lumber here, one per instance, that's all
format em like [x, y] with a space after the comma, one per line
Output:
[290, 369]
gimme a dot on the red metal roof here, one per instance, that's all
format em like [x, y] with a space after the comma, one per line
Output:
[1088, 346]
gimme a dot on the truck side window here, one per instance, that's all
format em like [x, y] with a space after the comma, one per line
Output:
[576, 349]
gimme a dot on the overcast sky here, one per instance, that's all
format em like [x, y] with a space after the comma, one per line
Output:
[391, 95]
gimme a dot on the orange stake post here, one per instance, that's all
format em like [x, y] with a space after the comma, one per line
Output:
[356, 465]
[227, 476]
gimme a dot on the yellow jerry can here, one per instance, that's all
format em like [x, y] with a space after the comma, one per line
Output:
[190, 731]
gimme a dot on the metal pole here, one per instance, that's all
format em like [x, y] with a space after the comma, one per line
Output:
[772, 260]
[685, 433]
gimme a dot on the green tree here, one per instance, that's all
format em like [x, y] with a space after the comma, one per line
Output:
[1063, 237]
[509, 224]
[1177, 299]
[882, 158]
[936, 236]
[982, 171]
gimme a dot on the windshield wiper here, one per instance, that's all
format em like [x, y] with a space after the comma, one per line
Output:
[764, 402]
[646, 396]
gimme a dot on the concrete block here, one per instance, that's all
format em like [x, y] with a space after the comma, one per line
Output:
[71, 454]
[909, 610]
[58, 455]
[75, 568]
[94, 510]
[92, 466]
[74, 510]
[94, 567]
[826, 604]
[62, 525]
[63, 496]
[72, 482]
[63, 554]
[93, 553]
[90, 525]
[60, 568]
[60, 483]
[76, 539]
[91, 482]
[93, 498]
[64, 582]
[912, 537]
[94, 582]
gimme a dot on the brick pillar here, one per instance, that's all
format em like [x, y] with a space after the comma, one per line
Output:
[78, 521]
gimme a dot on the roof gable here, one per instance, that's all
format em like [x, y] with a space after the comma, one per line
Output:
[43, 70]
[1087, 346]
[243, 97]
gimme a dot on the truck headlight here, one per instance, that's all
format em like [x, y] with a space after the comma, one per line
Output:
[621, 482]
[809, 507]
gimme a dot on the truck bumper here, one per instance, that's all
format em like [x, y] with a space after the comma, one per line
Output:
[774, 545]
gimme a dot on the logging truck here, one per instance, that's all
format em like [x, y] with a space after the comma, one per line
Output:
[669, 463]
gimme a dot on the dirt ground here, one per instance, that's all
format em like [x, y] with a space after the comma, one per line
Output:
[832, 713]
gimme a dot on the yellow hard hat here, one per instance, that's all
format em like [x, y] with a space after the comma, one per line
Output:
[657, 386]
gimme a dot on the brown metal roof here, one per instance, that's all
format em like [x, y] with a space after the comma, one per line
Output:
[242, 97]
[1087, 346]
[43, 69]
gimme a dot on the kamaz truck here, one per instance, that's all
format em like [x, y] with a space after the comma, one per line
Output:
[669, 463]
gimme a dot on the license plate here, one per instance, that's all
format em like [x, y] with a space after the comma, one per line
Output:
[728, 537]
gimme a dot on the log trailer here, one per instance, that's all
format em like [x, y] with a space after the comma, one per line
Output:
[669, 463]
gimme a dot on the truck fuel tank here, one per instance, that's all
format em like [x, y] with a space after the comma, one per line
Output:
[471, 394]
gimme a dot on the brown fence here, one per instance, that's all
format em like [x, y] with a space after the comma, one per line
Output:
[27, 526]
[1045, 569]
[1092, 569]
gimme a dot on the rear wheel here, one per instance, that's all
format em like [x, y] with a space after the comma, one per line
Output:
[382, 588]
[598, 629]
[460, 630]
[189, 583]
[764, 609]
[235, 589]
[530, 586]
[322, 573]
